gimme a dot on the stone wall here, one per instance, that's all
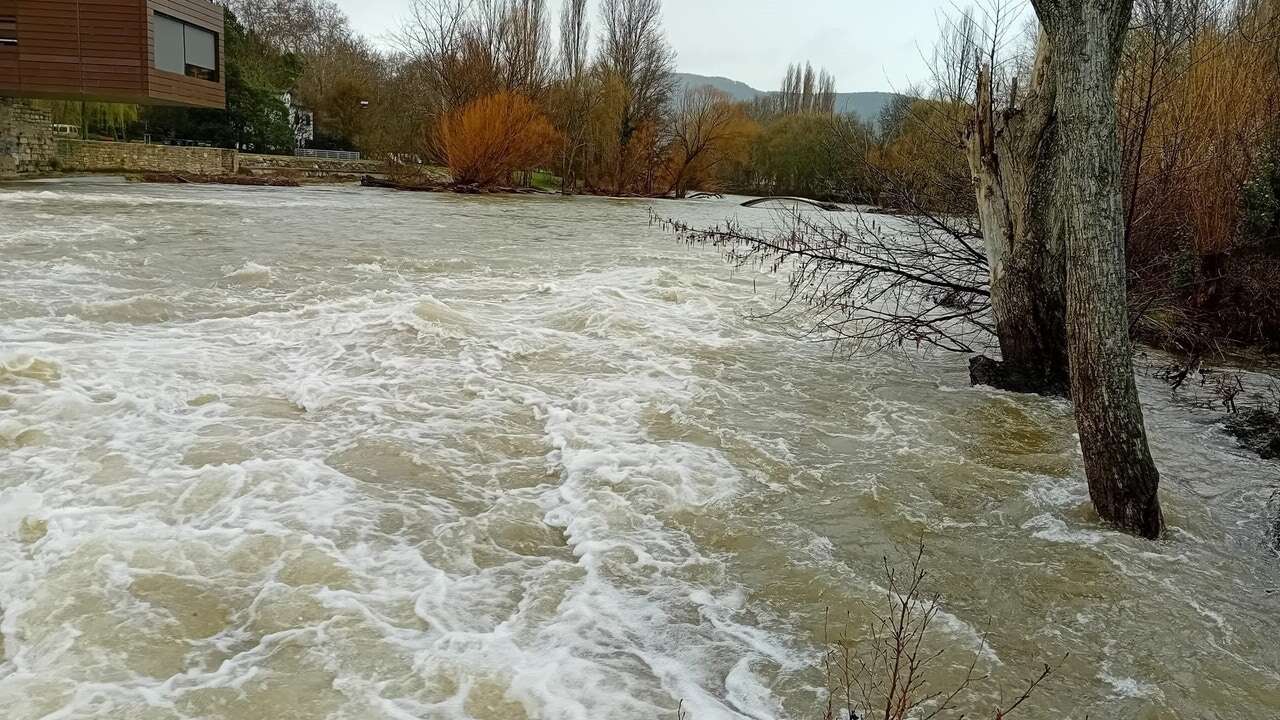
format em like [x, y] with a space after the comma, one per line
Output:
[26, 138]
[27, 145]
[307, 167]
[94, 156]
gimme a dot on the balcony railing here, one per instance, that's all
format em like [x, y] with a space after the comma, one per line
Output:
[327, 154]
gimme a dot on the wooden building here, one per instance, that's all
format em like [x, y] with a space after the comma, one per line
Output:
[147, 52]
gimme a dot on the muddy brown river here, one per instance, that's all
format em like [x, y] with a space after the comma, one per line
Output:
[351, 454]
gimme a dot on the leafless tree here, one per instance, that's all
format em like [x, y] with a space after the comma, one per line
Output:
[527, 63]
[804, 91]
[789, 96]
[869, 283]
[704, 124]
[476, 48]
[825, 100]
[303, 27]
[808, 87]
[984, 35]
[575, 36]
[1160, 30]
[576, 90]
[436, 34]
[1013, 158]
[635, 51]
[338, 68]
[1086, 38]
[1048, 186]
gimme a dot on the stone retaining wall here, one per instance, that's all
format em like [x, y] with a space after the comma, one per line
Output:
[26, 139]
[94, 156]
[27, 145]
[307, 167]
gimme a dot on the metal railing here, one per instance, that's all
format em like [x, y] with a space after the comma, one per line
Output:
[327, 154]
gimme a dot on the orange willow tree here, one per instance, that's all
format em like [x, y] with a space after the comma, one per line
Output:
[488, 140]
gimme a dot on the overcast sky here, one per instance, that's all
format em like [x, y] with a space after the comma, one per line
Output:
[868, 44]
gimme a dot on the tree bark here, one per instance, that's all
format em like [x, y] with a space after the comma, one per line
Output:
[1013, 157]
[1086, 38]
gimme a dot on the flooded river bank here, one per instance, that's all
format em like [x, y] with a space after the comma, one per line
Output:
[344, 453]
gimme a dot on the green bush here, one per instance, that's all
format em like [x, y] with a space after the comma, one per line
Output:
[1261, 198]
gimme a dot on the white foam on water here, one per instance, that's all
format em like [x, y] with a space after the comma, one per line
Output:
[142, 309]
[1057, 493]
[16, 505]
[29, 197]
[208, 197]
[434, 311]
[586, 649]
[1055, 529]
[250, 273]
[1127, 687]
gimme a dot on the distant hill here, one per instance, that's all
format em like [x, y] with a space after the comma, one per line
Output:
[739, 91]
[866, 105]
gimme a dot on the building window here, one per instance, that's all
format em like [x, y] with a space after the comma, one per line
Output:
[8, 30]
[185, 49]
[170, 55]
[202, 53]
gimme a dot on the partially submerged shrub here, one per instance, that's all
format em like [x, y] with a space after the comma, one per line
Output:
[489, 139]
[1253, 414]
[1257, 429]
[890, 674]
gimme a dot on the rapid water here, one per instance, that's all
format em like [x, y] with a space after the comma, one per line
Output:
[344, 453]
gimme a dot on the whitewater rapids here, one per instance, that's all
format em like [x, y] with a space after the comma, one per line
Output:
[341, 453]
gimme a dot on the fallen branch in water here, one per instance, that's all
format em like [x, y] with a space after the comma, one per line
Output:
[197, 179]
[863, 285]
[434, 186]
[819, 204]
[441, 186]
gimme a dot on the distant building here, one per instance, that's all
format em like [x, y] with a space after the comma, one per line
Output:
[301, 119]
[146, 52]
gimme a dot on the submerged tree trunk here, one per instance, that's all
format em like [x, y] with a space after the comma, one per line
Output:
[1086, 38]
[1013, 156]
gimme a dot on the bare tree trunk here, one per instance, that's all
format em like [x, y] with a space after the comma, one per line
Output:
[1086, 38]
[1013, 156]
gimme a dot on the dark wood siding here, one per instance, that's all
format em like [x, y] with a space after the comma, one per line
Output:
[172, 88]
[101, 50]
[48, 46]
[9, 76]
[110, 33]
